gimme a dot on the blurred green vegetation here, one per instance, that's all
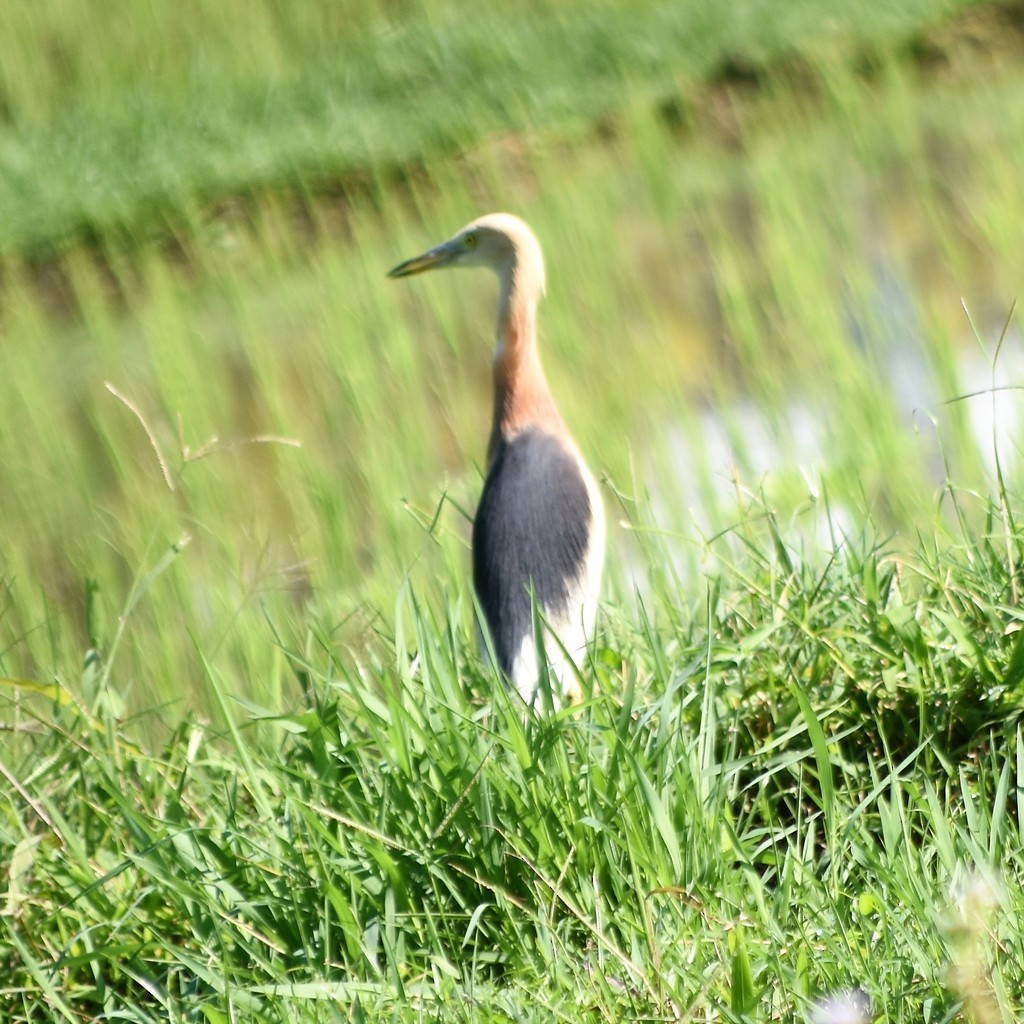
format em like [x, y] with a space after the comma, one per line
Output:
[690, 280]
[115, 121]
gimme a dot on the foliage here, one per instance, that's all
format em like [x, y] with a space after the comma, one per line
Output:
[776, 801]
[134, 119]
[253, 768]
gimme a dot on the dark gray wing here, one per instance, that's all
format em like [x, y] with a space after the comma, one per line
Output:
[531, 531]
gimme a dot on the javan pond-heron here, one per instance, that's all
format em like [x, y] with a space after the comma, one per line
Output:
[539, 529]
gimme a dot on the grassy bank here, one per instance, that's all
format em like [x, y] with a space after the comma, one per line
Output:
[118, 126]
[809, 783]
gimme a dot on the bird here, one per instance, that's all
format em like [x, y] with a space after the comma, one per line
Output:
[539, 530]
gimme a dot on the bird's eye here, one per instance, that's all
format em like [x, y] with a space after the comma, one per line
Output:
[470, 241]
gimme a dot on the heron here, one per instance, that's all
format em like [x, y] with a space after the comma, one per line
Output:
[539, 529]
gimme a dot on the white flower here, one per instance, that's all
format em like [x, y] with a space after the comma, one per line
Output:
[974, 896]
[847, 1006]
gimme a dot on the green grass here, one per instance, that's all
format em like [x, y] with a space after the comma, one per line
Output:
[96, 55]
[129, 121]
[252, 767]
[757, 804]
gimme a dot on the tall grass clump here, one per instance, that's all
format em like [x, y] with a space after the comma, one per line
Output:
[782, 796]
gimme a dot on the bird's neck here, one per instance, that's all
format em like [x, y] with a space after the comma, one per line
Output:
[521, 395]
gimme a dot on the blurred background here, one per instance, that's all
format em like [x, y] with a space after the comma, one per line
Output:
[783, 241]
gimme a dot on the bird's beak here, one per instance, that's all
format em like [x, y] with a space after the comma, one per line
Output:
[436, 257]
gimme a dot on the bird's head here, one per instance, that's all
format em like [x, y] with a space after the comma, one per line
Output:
[499, 241]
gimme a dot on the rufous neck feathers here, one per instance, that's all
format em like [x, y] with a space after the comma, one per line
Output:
[521, 395]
